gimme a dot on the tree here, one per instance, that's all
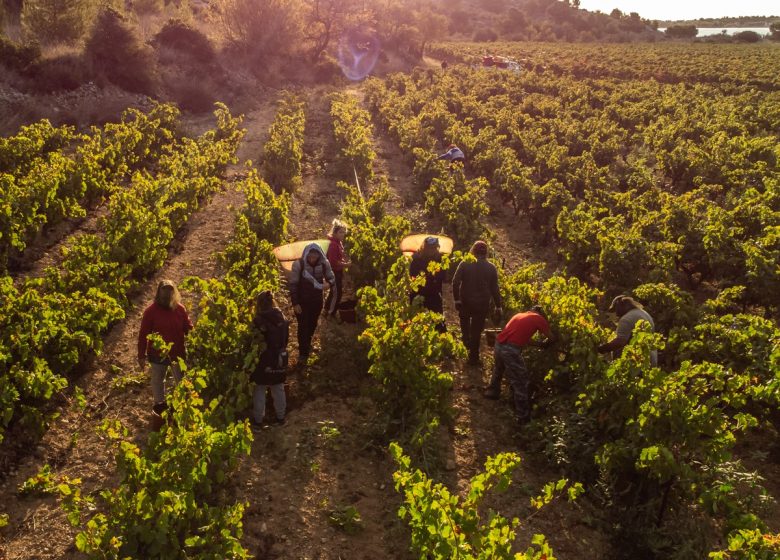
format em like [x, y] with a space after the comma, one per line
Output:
[774, 31]
[326, 19]
[747, 37]
[681, 31]
[57, 21]
[432, 26]
[262, 27]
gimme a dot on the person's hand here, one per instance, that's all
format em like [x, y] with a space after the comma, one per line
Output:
[298, 309]
[141, 362]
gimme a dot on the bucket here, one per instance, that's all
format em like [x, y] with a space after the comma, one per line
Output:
[347, 311]
[490, 336]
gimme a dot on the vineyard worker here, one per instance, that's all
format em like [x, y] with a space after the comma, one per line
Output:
[271, 370]
[453, 155]
[516, 335]
[338, 260]
[307, 280]
[166, 317]
[630, 312]
[434, 282]
[475, 283]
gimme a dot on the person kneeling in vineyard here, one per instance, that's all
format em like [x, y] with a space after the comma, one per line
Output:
[307, 279]
[271, 370]
[168, 318]
[510, 342]
[475, 283]
[453, 155]
[630, 312]
[434, 282]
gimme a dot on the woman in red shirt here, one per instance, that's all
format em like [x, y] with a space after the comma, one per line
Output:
[338, 260]
[168, 318]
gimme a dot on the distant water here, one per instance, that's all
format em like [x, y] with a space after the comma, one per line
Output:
[707, 31]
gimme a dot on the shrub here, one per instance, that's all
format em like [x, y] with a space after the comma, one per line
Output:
[485, 35]
[19, 57]
[65, 72]
[327, 69]
[56, 21]
[183, 38]
[747, 37]
[261, 27]
[116, 53]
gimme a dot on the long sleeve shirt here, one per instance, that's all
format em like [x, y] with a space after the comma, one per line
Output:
[171, 324]
[475, 283]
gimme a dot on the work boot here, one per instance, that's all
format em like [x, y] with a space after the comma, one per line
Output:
[491, 393]
[474, 361]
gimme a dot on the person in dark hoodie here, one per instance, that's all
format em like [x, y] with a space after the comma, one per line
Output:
[338, 260]
[431, 290]
[271, 370]
[307, 282]
[475, 283]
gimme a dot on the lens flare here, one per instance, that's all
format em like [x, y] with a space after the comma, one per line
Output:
[358, 53]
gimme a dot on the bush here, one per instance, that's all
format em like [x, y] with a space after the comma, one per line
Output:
[261, 27]
[56, 21]
[747, 37]
[179, 36]
[485, 35]
[65, 72]
[116, 53]
[327, 69]
[18, 57]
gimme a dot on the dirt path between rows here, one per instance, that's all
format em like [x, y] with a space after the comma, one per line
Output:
[323, 460]
[73, 446]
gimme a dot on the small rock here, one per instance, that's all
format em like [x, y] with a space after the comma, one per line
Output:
[451, 465]
[264, 528]
[381, 486]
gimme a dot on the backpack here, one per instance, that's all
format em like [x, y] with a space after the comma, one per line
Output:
[275, 356]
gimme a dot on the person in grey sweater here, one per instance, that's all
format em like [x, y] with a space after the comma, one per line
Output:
[307, 283]
[475, 283]
[630, 312]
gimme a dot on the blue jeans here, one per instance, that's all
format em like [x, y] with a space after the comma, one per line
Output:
[280, 401]
[509, 360]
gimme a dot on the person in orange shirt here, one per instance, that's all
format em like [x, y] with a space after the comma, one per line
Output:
[517, 334]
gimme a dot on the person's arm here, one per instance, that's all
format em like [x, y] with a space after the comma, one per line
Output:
[544, 328]
[612, 346]
[188, 326]
[295, 278]
[623, 332]
[457, 281]
[327, 271]
[143, 333]
[494, 289]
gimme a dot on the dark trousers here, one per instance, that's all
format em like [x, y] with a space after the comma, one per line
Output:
[509, 361]
[472, 323]
[335, 293]
[307, 324]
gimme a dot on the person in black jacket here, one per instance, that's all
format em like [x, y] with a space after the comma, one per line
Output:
[475, 283]
[431, 291]
[271, 370]
[307, 282]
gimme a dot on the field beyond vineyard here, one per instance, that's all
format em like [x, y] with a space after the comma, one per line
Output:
[594, 171]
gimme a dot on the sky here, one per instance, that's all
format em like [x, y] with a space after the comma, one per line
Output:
[686, 9]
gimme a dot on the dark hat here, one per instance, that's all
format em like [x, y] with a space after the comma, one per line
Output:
[538, 309]
[431, 240]
[615, 302]
[479, 248]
